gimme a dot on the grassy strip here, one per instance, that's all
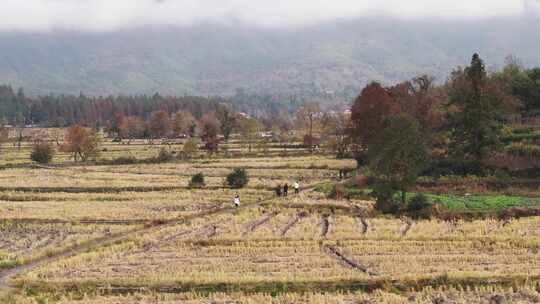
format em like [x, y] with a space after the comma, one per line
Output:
[460, 207]
[278, 287]
[482, 202]
[452, 202]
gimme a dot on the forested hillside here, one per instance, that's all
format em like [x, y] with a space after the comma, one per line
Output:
[335, 58]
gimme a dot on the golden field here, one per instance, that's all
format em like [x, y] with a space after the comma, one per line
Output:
[137, 233]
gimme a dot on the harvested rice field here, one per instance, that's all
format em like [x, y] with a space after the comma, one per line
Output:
[140, 233]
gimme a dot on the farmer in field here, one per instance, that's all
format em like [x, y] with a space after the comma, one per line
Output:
[236, 201]
[285, 189]
[297, 187]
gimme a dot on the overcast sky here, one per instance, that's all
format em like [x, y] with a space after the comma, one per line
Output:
[100, 15]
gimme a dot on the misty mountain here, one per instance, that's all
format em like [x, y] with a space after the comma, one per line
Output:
[213, 59]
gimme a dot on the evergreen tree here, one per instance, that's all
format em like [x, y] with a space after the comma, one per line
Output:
[476, 107]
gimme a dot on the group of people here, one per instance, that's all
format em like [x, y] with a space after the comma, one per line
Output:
[284, 191]
[280, 191]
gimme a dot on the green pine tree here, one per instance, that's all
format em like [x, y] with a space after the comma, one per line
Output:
[476, 110]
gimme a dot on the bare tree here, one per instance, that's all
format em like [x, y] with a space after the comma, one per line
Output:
[335, 129]
[309, 117]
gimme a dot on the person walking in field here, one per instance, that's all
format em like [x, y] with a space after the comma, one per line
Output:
[296, 187]
[236, 201]
[286, 189]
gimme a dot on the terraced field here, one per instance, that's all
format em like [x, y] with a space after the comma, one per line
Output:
[280, 246]
[104, 234]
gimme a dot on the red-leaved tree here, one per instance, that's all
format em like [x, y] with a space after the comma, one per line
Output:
[369, 111]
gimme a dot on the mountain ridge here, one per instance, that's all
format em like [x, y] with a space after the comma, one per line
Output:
[212, 59]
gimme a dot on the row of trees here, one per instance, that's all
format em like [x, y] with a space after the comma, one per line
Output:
[211, 127]
[59, 111]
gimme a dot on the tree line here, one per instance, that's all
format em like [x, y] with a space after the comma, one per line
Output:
[64, 110]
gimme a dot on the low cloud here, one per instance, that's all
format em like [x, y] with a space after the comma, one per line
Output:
[103, 15]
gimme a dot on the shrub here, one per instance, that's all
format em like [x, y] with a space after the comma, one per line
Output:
[197, 181]
[164, 155]
[420, 207]
[238, 178]
[42, 152]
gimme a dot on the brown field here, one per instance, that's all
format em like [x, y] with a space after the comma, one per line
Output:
[98, 233]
